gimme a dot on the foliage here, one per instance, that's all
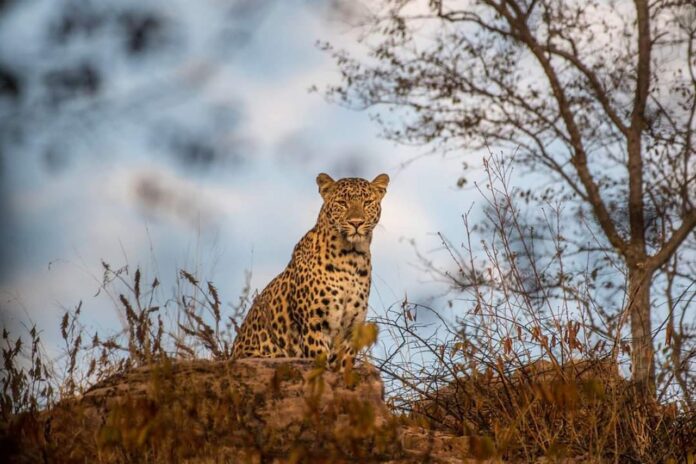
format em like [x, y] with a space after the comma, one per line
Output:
[516, 362]
[520, 375]
[598, 96]
[78, 70]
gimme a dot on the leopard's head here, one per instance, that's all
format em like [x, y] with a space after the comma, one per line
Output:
[352, 206]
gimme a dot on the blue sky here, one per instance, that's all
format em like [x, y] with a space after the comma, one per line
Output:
[246, 212]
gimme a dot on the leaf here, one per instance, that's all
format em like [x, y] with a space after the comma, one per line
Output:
[64, 325]
[214, 293]
[364, 335]
[507, 345]
[129, 309]
[137, 283]
[188, 276]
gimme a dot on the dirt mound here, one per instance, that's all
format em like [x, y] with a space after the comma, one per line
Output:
[581, 408]
[252, 410]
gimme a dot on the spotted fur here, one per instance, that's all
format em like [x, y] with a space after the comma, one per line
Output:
[311, 307]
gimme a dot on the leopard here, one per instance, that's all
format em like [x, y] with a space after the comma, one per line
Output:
[312, 308]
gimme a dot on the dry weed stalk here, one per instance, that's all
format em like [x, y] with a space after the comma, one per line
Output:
[522, 360]
[31, 381]
[530, 365]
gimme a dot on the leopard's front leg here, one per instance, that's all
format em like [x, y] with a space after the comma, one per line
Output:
[314, 334]
[342, 355]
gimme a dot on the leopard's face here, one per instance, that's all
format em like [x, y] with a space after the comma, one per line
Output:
[352, 205]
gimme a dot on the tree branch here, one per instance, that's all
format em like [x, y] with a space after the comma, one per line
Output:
[667, 251]
[636, 210]
[579, 160]
[594, 83]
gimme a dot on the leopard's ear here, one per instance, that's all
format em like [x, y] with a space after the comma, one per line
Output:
[380, 183]
[324, 181]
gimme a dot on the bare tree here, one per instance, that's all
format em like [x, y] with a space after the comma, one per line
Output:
[600, 94]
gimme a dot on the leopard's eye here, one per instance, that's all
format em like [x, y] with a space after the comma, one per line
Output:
[342, 203]
[369, 202]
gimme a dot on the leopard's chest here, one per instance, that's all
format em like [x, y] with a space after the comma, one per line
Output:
[347, 292]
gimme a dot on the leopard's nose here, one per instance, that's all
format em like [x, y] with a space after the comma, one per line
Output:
[356, 222]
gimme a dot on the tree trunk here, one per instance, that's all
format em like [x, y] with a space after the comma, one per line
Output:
[642, 351]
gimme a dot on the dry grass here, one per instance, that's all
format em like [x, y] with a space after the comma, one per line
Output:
[508, 406]
[581, 409]
[524, 372]
[214, 411]
[525, 358]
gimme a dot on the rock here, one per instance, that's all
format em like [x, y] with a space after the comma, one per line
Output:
[250, 410]
[507, 413]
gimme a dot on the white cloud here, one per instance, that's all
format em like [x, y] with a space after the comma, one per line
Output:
[253, 216]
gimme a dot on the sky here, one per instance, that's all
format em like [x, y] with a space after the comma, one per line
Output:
[92, 184]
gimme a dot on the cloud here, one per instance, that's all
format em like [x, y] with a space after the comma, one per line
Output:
[135, 208]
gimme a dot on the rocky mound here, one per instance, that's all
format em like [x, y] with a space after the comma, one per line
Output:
[477, 403]
[252, 410]
[542, 410]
